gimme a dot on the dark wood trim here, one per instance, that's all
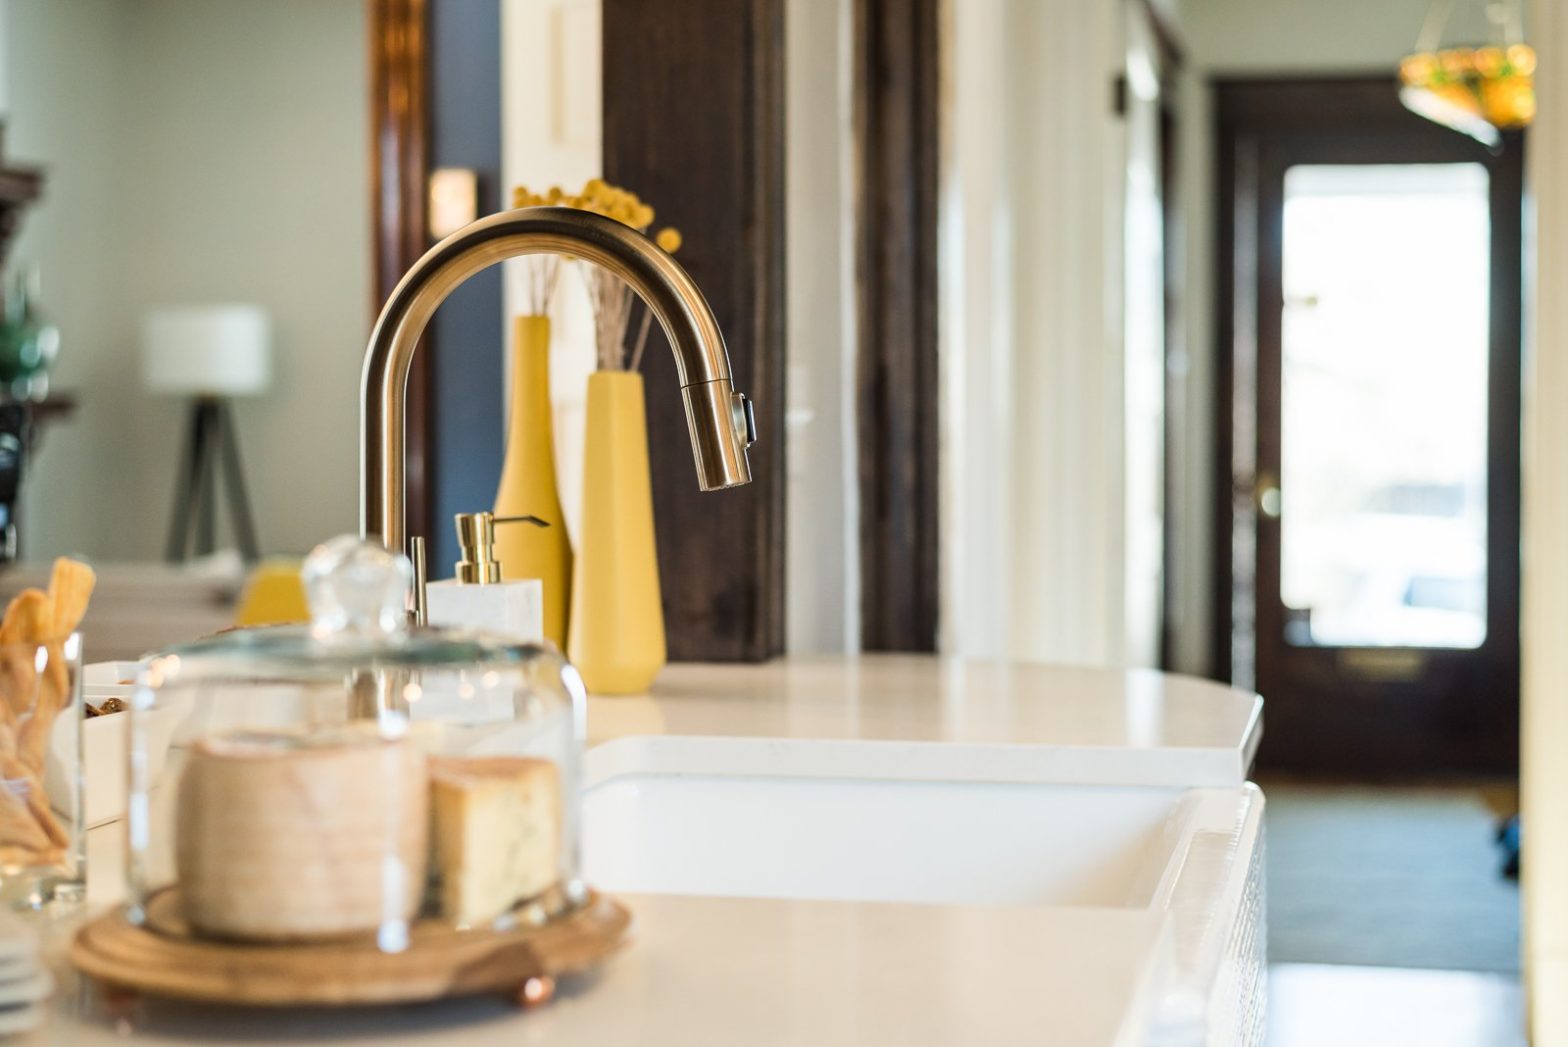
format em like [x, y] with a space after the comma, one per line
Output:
[694, 123]
[399, 149]
[1235, 283]
[20, 187]
[896, 84]
[1177, 368]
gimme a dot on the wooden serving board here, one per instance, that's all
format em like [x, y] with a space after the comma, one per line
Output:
[165, 959]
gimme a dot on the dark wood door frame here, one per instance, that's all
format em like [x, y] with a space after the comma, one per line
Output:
[399, 169]
[896, 81]
[1263, 128]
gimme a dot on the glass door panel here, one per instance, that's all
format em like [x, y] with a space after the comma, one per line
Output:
[1382, 499]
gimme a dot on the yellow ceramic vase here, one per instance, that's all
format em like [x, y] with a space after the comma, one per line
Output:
[528, 481]
[617, 622]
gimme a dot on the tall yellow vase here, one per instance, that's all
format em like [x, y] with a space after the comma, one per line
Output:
[528, 481]
[617, 623]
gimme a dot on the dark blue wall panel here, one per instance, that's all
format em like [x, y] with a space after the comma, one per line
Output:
[467, 402]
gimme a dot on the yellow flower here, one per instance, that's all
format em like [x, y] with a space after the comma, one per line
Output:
[669, 238]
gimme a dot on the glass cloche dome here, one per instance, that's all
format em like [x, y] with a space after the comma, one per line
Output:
[356, 778]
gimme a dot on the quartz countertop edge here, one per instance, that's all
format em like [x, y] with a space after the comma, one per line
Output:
[937, 717]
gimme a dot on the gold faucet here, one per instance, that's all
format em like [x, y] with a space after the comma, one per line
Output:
[720, 419]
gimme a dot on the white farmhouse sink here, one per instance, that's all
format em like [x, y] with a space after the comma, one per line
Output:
[761, 819]
[958, 843]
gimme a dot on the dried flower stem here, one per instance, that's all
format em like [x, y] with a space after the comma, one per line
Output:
[642, 338]
[540, 273]
[612, 299]
[612, 302]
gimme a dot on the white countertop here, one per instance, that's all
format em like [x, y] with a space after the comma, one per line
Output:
[762, 972]
[1086, 720]
[730, 972]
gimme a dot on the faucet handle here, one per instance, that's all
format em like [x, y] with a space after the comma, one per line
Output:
[746, 418]
[419, 615]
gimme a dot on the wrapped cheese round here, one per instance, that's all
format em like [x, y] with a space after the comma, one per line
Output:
[282, 836]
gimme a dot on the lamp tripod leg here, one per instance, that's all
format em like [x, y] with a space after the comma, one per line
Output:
[185, 483]
[239, 501]
[207, 480]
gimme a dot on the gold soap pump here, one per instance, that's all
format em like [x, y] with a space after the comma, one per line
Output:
[476, 545]
[476, 541]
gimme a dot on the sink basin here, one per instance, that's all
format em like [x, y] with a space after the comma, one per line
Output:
[760, 818]
[958, 843]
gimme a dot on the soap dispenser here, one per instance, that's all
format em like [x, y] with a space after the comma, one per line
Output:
[477, 597]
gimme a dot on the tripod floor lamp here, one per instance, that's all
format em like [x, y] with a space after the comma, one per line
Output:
[210, 355]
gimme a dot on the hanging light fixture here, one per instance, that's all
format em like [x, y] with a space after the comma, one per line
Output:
[1478, 91]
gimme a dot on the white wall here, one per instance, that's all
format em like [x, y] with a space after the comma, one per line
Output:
[1034, 410]
[976, 320]
[1144, 349]
[551, 134]
[822, 528]
[197, 152]
[1545, 554]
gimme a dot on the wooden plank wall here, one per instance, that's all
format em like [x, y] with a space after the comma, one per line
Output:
[694, 124]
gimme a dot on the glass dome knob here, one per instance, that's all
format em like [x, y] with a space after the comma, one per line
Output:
[356, 587]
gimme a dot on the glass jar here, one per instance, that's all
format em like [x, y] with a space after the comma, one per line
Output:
[42, 862]
[355, 778]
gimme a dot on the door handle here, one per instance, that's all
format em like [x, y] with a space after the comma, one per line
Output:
[1269, 497]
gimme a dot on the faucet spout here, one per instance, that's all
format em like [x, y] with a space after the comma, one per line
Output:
[718, 417]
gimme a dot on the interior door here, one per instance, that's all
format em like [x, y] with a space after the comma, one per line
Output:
[1376, 339]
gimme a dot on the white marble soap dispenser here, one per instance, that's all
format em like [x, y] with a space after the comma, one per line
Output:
[478, 598]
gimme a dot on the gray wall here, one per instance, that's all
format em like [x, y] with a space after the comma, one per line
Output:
[198, 150]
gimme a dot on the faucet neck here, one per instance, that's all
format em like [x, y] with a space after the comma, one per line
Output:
[717, 416]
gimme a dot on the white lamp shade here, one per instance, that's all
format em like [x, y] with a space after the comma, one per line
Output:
[207, 350]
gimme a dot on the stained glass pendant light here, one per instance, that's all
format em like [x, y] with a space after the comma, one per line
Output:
[1479, 91]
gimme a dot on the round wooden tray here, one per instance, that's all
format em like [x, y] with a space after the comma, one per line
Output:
[166, 959]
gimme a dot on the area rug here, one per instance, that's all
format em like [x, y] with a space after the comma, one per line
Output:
[1388, 877]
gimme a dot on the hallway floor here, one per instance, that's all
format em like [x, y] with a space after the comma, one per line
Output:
[1317, 1006]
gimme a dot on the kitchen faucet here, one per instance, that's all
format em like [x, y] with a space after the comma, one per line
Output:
[720, 419]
